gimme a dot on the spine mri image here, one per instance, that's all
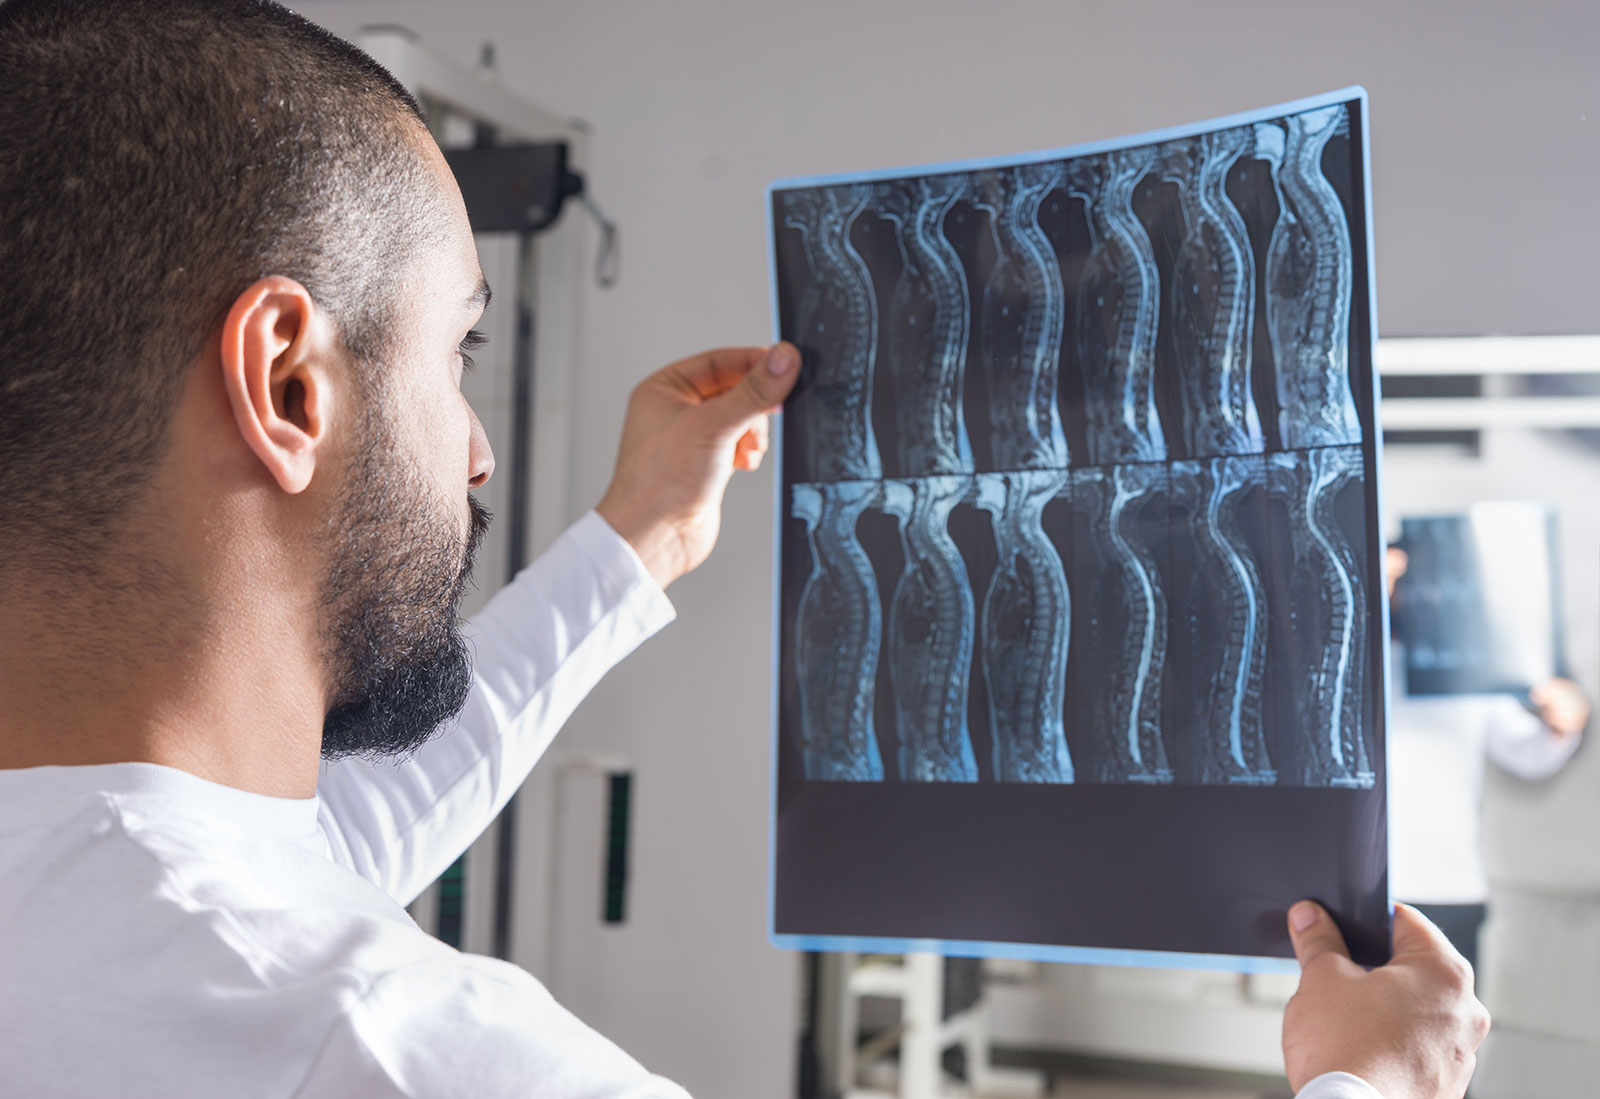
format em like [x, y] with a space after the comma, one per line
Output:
[1076, 480]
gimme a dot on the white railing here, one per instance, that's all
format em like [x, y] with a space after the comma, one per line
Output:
[1489, 357]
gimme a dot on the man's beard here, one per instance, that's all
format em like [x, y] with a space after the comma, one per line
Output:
[392, 604]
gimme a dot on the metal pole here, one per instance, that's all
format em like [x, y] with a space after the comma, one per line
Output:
[517, 553]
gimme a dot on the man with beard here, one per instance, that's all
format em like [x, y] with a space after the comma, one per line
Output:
[237, 288]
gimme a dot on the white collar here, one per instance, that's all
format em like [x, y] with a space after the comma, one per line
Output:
[294, 818]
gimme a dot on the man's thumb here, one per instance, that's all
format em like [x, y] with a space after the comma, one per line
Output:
[763, 388]
[1314, 933]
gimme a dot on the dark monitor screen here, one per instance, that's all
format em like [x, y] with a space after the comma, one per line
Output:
[1079, 643]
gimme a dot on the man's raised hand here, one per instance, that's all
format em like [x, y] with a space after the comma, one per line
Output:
[1410, 1028]
[689, 426]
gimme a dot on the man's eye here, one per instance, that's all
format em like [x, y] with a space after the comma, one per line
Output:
[471, 342]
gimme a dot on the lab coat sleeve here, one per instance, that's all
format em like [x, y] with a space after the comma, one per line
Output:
[540, 646]
[1337, 1085]
[1524, 745]
[471, 1027]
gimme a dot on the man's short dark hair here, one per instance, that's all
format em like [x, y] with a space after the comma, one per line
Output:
[156, 158]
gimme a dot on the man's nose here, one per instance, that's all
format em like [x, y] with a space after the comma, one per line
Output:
[480, 457]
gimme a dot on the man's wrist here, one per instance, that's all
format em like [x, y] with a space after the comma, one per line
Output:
[1338, 1085]
[656, 543]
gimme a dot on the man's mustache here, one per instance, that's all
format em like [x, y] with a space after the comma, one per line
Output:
[478, 520]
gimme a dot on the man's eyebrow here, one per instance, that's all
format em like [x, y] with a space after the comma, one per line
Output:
[479, 298]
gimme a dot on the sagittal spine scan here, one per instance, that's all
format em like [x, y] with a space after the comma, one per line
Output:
[839, 629]
[1331, 618]
[1130, 625]
[1077, 468]
[839, 311]
[1309, 285]
[1213, 300]
[1117, 302]
[1020, 323]
[929, 324]
[1228, 606]
[931, 626]
[1026, 630]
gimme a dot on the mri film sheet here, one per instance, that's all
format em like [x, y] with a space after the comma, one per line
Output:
[1078, 646]
[1475, 611]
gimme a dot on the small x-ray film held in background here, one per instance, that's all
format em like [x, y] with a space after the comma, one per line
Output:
[1080, 646]
[1476, 611]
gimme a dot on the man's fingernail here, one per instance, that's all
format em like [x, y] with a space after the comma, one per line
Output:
[1302, 915]
[782, 359]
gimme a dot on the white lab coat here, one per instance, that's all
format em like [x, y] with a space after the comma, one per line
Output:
[1437, 749]
[166, 937]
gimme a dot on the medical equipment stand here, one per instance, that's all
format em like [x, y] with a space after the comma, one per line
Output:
[917, 981]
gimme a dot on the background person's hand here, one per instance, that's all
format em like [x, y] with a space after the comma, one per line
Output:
[1410, 1028]
[689, 426]
[1395, 563]
[1562, 706]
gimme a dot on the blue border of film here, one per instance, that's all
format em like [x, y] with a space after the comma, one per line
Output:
[1086, 955]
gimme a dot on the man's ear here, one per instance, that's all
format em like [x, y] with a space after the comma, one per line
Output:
[277, 346]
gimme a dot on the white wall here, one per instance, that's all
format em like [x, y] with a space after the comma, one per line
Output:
[1485, 150]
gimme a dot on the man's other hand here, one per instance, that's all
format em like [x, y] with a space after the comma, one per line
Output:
[1562, 706]
[1411, 1028]
[689, 426]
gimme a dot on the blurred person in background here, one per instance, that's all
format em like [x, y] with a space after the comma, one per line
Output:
[1438, 745]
